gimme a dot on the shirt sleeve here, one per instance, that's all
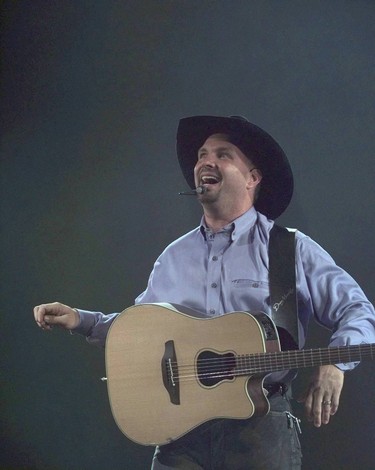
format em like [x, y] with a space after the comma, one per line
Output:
[94, 326]
[337, 301]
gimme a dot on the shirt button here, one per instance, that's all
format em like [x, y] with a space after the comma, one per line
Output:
[215, 258]
[212, 311]
[214, 284]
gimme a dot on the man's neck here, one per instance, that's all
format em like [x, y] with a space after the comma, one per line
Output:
[216, 220]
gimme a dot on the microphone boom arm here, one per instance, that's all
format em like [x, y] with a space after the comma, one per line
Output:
[193, 192]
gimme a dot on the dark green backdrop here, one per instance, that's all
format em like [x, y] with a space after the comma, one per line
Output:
[91, 95]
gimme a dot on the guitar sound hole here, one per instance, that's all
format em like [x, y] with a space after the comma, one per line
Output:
[214, 368]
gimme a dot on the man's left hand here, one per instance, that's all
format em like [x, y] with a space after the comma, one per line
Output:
[323, 395]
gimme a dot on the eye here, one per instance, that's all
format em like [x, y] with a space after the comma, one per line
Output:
[224, 155]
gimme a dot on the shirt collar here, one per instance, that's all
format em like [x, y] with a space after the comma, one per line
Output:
[235, 228]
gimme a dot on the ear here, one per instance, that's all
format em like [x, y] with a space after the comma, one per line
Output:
[255, 177]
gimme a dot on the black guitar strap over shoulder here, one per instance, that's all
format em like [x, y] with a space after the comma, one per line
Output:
[282, 279]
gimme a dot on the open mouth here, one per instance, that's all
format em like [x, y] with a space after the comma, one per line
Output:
[210, 179]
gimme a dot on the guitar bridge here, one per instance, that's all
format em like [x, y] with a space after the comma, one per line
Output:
[169, 370]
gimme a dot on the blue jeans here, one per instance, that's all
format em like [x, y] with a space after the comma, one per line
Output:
[269, 442]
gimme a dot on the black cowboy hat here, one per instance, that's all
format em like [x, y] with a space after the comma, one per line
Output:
[277, 183]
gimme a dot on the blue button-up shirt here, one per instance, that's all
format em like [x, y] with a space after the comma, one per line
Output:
[217, 273]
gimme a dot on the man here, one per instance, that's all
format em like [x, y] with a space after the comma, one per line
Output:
[244, 182]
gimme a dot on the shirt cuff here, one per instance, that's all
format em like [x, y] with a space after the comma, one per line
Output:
[86, 323]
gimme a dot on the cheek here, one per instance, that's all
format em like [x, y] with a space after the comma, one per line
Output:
[239, 179]
[238, 173]
[196, 170]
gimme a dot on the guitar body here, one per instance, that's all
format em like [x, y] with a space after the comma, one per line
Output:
[155, 385]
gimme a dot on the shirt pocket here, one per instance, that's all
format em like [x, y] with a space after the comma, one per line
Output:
[249, 294]
[249, 283]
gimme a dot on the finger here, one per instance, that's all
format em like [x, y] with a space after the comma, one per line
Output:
[312, 409]
[313, 406]
[37, 313]
[317, 413]
[326, 410]
[39, 316]
[335, 402]
[51, 320]
[337, 394]
[309, 400]
[41, 312]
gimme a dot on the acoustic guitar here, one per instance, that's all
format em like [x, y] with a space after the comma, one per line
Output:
[168, 371]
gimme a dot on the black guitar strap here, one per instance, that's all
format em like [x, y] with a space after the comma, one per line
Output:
[282, 279]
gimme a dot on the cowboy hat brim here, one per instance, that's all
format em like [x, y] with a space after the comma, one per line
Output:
[277, 179]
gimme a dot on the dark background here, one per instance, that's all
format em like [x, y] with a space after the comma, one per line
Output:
[91, 96]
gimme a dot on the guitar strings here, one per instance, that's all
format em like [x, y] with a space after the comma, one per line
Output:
[237, 365]
[245, 365]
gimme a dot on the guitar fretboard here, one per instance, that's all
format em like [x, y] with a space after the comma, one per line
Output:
[298, 359]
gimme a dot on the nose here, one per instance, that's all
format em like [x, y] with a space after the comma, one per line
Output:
[208, 160]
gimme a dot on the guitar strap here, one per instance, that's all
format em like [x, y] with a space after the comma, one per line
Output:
[282, 279]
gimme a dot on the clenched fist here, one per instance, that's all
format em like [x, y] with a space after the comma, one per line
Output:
[48, 315]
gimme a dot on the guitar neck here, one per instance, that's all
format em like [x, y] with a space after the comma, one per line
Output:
[299, 359]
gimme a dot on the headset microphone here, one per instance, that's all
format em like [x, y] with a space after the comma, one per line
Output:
[193, 192]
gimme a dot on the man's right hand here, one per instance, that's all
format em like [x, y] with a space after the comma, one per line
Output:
[49, 315]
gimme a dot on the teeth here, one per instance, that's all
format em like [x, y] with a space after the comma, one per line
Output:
[210, 179]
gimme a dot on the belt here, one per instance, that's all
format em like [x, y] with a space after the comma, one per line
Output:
[276, 387]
